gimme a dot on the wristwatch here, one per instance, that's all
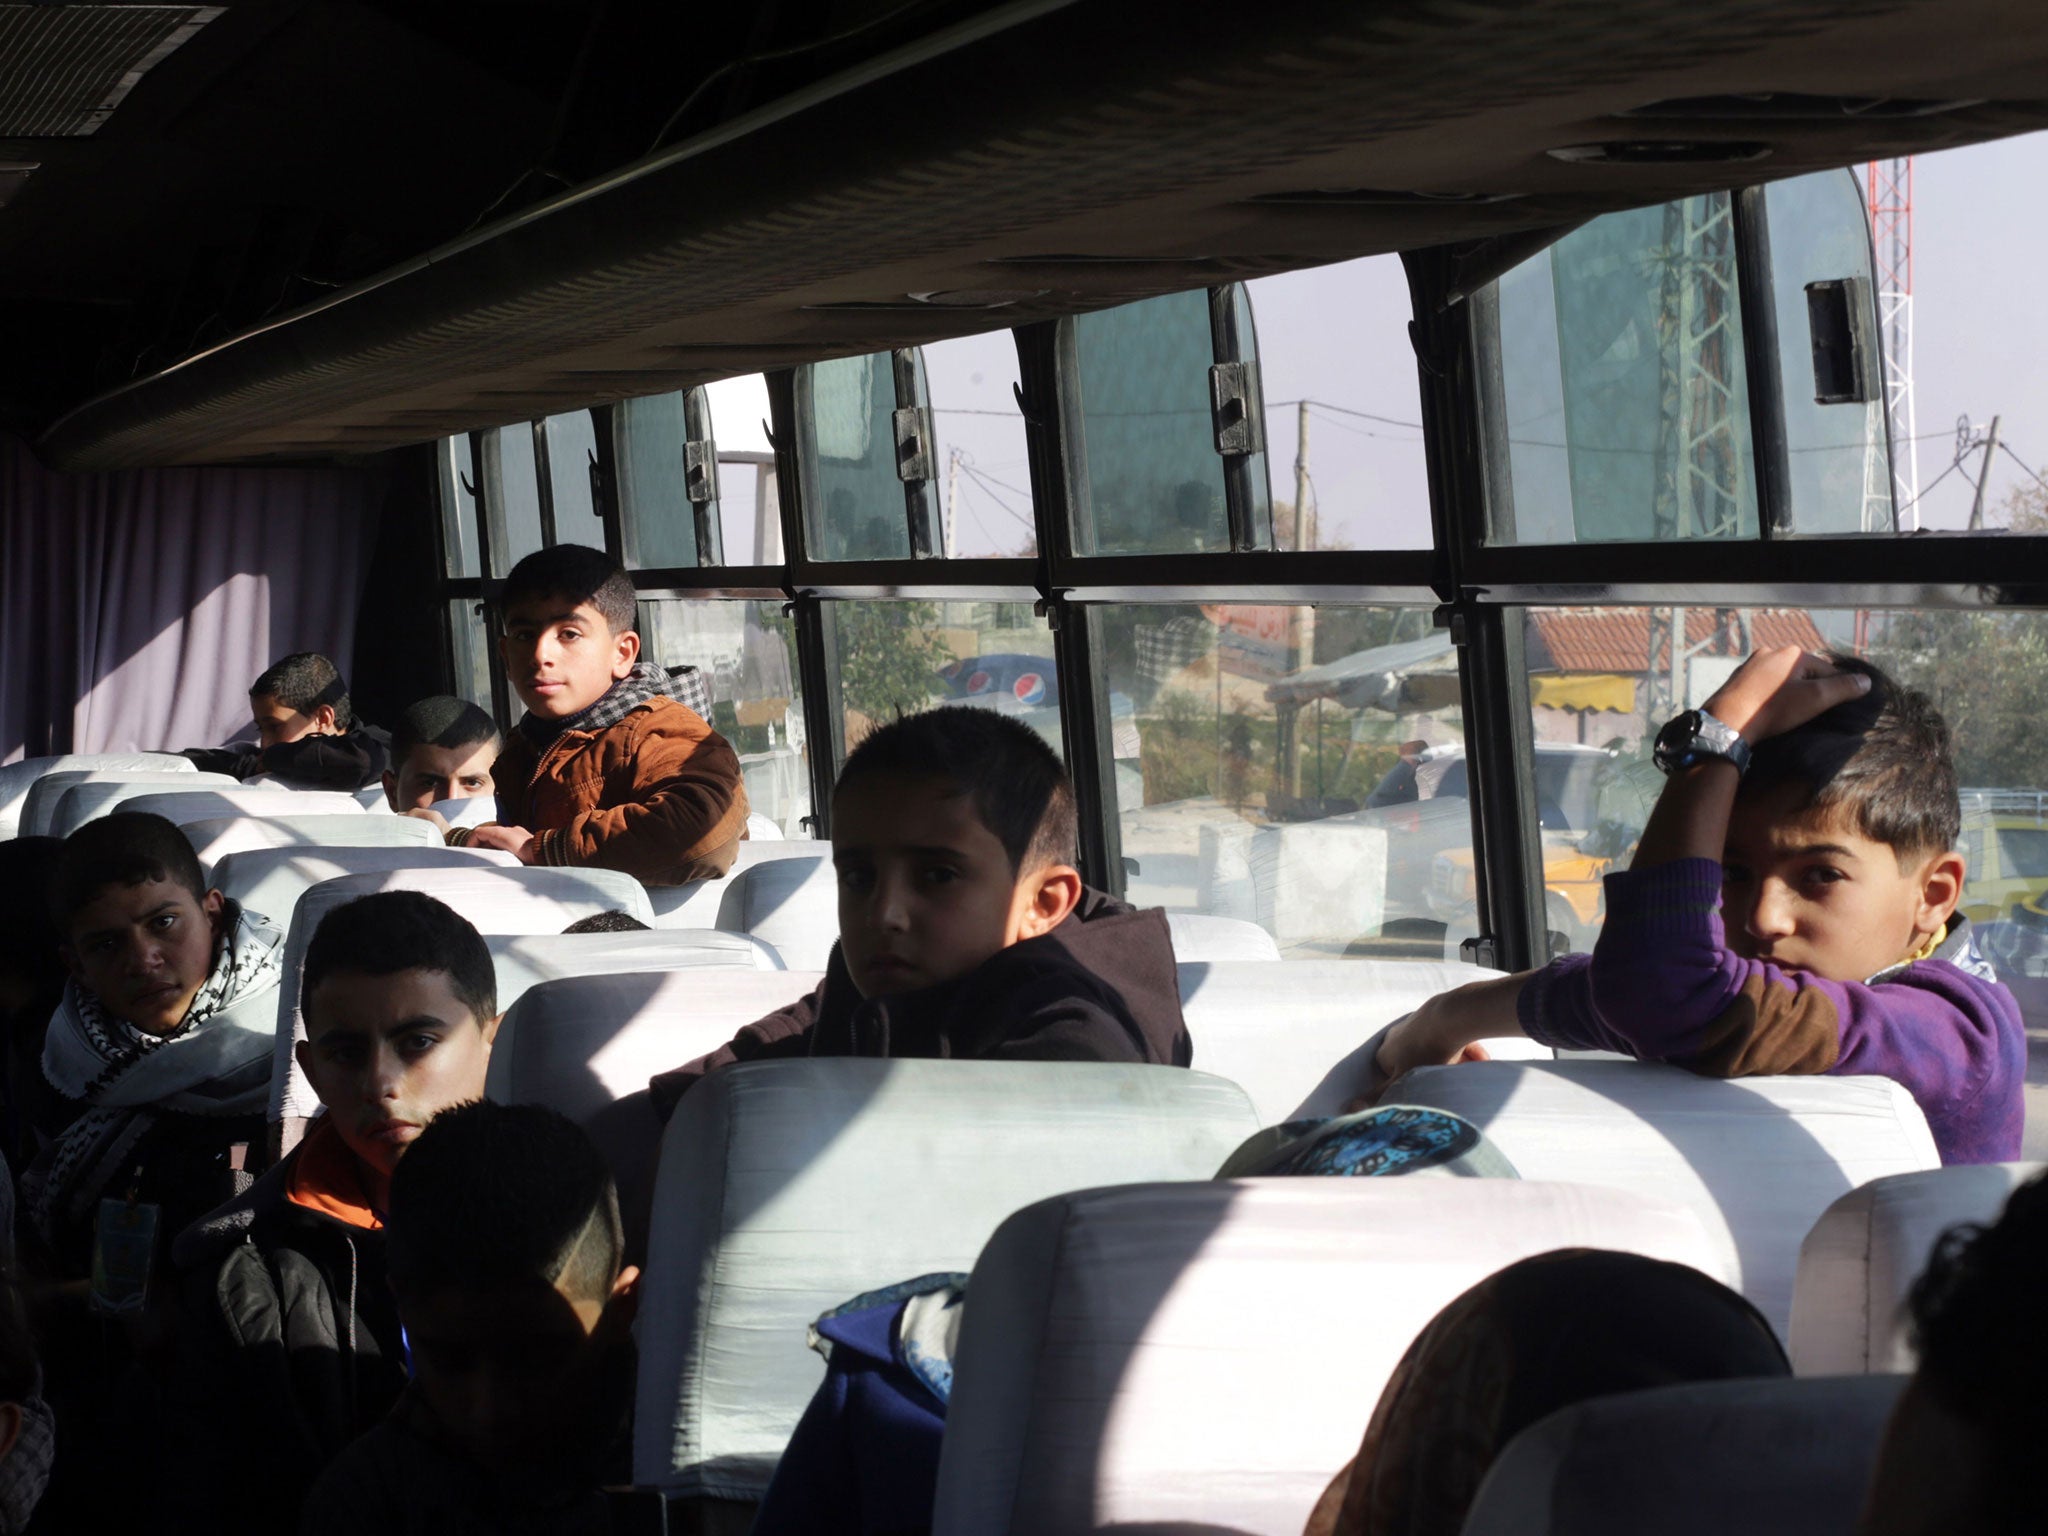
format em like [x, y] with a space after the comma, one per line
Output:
[1695, 736]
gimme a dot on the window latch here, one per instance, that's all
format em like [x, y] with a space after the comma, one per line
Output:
[700, 471]
[1482, 950]
[1237, 407]
[913, 443]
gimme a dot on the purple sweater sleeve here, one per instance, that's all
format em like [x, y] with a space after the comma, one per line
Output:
[1662, 985]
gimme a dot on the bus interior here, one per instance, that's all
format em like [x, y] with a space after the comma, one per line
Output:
[1344, 432]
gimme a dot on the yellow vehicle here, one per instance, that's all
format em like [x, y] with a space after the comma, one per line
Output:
[2005, 847]
[1574, 904]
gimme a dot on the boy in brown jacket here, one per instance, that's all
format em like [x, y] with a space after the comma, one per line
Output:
[609, 767]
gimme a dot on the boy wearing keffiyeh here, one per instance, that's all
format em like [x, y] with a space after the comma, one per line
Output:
[159, 1052]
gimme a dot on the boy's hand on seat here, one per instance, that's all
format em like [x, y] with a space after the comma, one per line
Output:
[516, 841]
[1445, 1031]
[1777, 690]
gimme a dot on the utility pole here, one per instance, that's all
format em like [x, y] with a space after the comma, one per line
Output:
[1304, 618]
[952, 501]
[1984, 477]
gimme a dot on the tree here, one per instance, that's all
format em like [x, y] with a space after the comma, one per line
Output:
[889, 657]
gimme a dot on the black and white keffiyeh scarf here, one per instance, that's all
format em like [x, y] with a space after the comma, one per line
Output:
[217, 1062]
[646, 681]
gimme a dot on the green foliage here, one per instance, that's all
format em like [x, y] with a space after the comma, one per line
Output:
[888, 657]
[1985, 673]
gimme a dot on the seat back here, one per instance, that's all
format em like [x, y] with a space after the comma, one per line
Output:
[50, 803]
[187, 806]
[1197, 936]
[696, 905]
[595, 960]
[791, 903]
[17, 778]
[220, 836]
[1296, 1035]
[1210, 1353]
[789, 1187]
[1859, 1262]
[472, 812]
[494, 900]
[1769, 1457]
[271, 880]
[1758, 1159]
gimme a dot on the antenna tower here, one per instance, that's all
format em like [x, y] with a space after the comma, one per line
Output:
[1891, 229]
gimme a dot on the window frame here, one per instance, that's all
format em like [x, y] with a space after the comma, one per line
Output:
[1473, 588]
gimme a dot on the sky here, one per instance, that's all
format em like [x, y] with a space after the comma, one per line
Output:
[1336, 337]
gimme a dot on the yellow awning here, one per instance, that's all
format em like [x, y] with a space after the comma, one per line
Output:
[1584, 690]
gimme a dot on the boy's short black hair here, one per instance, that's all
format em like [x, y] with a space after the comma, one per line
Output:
[1018, 786]
[126, 848]
[440, 720]
[1885, 758]
[573, 573]
[607, 922]
[302, 682]
[499, 1194]
[1983, 1346]
[393, 931]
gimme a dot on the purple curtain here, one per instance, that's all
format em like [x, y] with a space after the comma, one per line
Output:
[137, 607]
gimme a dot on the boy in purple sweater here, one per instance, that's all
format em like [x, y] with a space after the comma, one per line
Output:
[1790, 909]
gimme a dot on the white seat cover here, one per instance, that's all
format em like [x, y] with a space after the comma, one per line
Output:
[16, 778]
[589, 963]
[50, 803]
[214, 839]
[788, 1187]
[473, 811]
[1769, 1457]
[761, 830]
[238, 800]
[696, 905]
[494, 899]
[271, 880]
[1758, 1158]
[1294, 1033]
[1198, 937]
[1863, 1255]
[1210, 1353]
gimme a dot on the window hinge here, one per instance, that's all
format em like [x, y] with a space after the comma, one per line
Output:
[1481, 949]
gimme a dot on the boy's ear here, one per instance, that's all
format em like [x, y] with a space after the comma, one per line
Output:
[625, 651]
[325, 722]
[1046, 898]
[490, 1028]
[302, 1053]
[1941, 887]
[215, 906]
[391, 789]
[623, 1305]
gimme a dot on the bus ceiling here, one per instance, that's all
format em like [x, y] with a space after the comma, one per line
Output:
[333, 227]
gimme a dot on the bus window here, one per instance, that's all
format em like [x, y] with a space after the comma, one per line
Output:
[749, 511]
[982, 466]
[1151, 479]
[470, 642]
[847, 426]
[656, 516]
[1838, 473]
[511, 495]
[1343, 407]
[746, 652]
[458, 507]
[1601, 682]
[892, 658]
[1286, 765]
[1613, 376]
[572, 449]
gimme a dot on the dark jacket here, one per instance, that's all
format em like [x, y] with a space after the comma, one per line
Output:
[404, 1478]
[290, 1350]
[1100, 987]
[351, 761]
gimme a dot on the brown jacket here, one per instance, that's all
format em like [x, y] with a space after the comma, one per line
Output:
[657, 795]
